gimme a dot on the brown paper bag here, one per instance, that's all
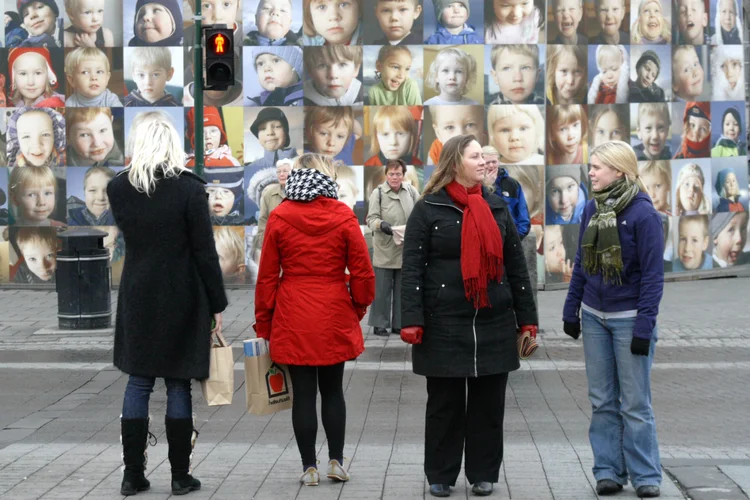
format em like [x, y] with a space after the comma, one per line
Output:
[526, 345]
[268, 385]
[218, 388]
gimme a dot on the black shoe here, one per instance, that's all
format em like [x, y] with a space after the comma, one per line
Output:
[134, 435]
[133, 483]
[648, 491]
[180, 439]
[380, 332]
[482, 489]
[396, 331]
[440, 490]
[606, 487]
[184, 485]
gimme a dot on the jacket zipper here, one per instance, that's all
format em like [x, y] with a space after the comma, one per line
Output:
[474, 328]
[443, 205]
[476, 311]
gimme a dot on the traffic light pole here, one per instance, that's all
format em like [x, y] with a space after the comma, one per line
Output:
[198, 89]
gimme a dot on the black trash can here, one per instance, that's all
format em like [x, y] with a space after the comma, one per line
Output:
[83, 280]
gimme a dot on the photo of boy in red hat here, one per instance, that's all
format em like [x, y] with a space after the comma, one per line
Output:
[217, 152]
[696, 131]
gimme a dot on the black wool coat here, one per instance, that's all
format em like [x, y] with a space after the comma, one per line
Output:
[171, 282]
[458, 340]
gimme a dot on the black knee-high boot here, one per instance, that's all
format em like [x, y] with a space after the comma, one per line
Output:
[134, 436]
[181, 442]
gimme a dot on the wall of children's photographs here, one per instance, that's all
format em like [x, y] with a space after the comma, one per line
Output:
[540, 81]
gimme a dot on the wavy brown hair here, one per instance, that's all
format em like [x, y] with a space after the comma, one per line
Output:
[451, 159]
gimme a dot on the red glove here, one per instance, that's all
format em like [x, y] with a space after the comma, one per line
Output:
[532, 329]
[360, 310]
[412, 334]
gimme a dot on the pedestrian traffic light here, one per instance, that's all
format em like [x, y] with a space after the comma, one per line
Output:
[219, 50]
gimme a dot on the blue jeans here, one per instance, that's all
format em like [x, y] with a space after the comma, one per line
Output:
[623, 430]
[138, 391]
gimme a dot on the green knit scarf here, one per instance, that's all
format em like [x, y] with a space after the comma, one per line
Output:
[601, 241]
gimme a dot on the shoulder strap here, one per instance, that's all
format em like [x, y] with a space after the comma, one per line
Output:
[380, 201]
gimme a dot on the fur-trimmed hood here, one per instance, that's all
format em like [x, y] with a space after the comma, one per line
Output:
[260, 181]
[717, 38]
[622, 84]
[720, 85]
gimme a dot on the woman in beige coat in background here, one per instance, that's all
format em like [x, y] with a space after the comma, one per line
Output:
[271, 198]
[390, 205]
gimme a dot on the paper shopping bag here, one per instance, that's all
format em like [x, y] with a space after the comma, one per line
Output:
[267, 385]
[526, 345]
[218, 388]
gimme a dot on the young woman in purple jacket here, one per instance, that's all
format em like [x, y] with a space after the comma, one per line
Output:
[617, 284]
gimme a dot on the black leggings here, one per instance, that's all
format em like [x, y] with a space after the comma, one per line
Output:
[305, 382]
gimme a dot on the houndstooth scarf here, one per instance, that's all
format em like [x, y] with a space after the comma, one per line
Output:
[306, 184]
[601, 241]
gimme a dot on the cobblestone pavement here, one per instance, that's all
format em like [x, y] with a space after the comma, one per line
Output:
[61, 399]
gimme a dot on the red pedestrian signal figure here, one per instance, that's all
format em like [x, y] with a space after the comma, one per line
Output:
[219, 62]
[219, 44]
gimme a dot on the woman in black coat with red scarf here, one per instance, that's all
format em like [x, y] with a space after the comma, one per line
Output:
[465, 294]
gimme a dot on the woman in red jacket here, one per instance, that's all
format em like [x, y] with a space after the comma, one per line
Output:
[304, 308]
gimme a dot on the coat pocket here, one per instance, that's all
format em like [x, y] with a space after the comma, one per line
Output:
[500, 295]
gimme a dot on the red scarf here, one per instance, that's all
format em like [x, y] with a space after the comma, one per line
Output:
[692, 149]
[606, 95]
[481, 243]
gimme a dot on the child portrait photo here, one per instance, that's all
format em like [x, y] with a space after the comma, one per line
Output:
[399, 22]
[393, 75]
[650, 73]
[93, 23]
[610, 23]
[272, 134]
[452, 22]
[154, 76]
[272, 22]
[514, 74]
[728, 129]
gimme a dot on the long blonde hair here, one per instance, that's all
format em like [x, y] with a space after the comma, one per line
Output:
[155, 144]
[620, 156]
[451, 158]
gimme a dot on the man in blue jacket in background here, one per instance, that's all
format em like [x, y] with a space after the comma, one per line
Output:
[508, 189]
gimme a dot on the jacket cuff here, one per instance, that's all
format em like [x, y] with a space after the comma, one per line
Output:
[643, 329]
[262, 330]
[571, 319]
[412, 320]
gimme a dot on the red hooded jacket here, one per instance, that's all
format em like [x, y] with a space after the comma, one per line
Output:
[302, 304]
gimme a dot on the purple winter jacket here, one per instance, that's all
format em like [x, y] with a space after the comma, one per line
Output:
[642, 240]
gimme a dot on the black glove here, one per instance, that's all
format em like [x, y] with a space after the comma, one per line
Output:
[640, 347]
[572, 329]
[386, 228]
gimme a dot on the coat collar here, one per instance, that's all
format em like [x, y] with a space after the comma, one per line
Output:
[442, 198]
[187, 172]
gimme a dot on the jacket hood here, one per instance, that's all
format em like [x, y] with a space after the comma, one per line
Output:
[640, 199]
[314, 218]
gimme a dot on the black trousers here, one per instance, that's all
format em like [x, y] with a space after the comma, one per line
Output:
[305, 382]
[452, 419]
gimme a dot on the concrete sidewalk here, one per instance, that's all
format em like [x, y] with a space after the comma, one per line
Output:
[61, 399]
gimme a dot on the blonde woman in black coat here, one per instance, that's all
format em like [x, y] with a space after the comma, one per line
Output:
[171, 288]
[465, 293]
